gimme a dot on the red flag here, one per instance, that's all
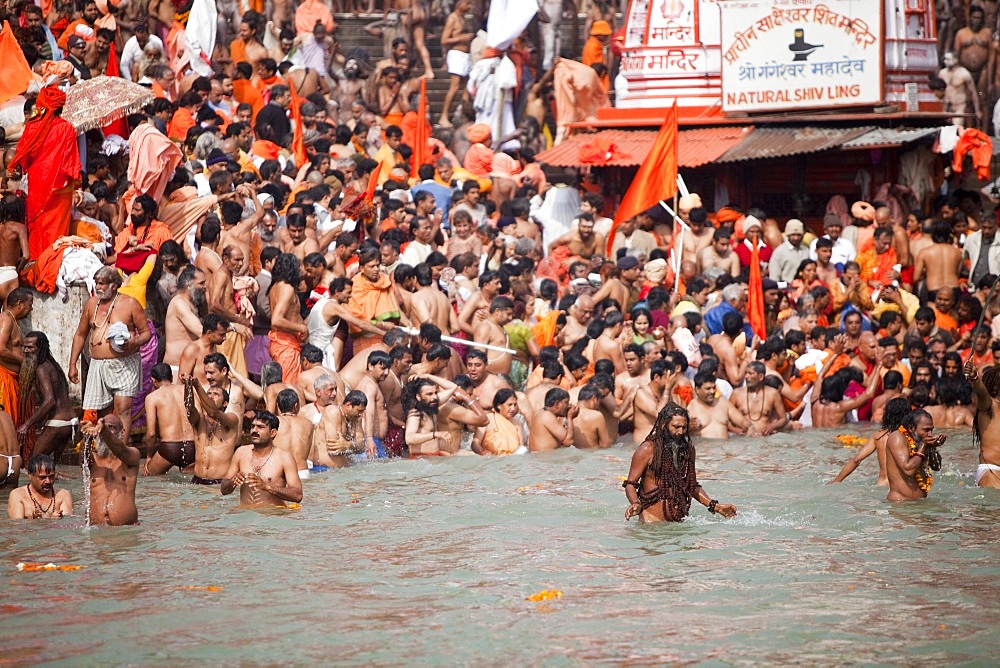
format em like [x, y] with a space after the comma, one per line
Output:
[656, 179]
[119, 127]
[755, 305]
[419, 156]
[298, 141]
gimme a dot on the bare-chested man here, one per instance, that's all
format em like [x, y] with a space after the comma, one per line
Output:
[220, 302]
[421, 401]
[288, 330]
[650, 399]
[182, 324]
[170, 439]
[715, 415]
[192, 360]
[208, 260]
[829, 407]
[340, 434]
[486, 383]
[114, 470]
[266, 475]
[719, 253]
[608, 345]
[460, 416]
[39, 499]
[698, 236]
[54, 411]
[619, 287]
[987, 429]
[295, 240]
[312, 368]
[455, 40]
[960, 90]
[580, 314]
[114, 326]
[18, 307]
[376, 415]
[892, 417]
[352, 372]
[477, 306]
[939, 264]
[330, 314]
[635, 375]
[14, 254]
[908, 453]
[430, 304]
[975, 48]
[590, 430]
[217, 432]
[491, 331]
[760, 404]
[295, 434]
[552, 427]
[582, 241]
[732, 367]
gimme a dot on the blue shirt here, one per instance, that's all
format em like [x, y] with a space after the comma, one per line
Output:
[442, 197]
[713, 320]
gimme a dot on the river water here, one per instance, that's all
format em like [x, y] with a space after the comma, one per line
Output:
[430, 562]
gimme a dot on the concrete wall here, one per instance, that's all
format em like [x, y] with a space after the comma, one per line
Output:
[59, 320]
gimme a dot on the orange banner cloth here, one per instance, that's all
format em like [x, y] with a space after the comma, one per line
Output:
[16, 72]
[298, 141]
[8, 392]
[656, 179]
[755, 306]
[244, 92]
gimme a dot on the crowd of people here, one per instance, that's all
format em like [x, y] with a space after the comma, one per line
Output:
[289, 275]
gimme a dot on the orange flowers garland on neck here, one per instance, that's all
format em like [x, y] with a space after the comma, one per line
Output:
[923, 476]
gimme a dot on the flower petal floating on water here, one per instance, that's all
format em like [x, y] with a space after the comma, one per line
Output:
[28, 567]
[194, 588]
[293, 506]
[851, 440]
[544, 595]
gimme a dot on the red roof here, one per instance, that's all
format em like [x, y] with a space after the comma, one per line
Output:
[627, 148]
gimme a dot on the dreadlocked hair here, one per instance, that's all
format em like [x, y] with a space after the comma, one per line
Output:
[660, 436]
[991, 380]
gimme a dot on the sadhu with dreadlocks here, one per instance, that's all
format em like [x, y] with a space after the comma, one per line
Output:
[986, 432]
[662, 479]
[43, 379]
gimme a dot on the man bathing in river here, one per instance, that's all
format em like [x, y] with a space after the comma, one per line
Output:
[39, 499]
[169, 436]
[114, 470]
[909, 452]
[662, 479]
[216, 431]
[266, 475]
[986, 429]
[895, 410]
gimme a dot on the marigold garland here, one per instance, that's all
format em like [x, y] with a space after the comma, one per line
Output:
[28, 567]
[545, 595]
[923, 476]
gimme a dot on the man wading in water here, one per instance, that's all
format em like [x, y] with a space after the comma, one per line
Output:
[662, 479]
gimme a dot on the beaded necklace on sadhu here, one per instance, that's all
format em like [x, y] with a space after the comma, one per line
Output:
[923, 476]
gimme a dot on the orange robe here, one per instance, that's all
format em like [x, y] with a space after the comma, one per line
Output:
[16, 72]
[245, 92]
[308, 13]
[182, 121]
[52, 170]
[375, 302]
[8, 392]
[285, 349]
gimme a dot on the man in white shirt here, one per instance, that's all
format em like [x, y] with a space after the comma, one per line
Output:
[132, 51]
[843, 250]
[418, 249]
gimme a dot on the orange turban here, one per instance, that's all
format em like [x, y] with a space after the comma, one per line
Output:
[479, 133]
[727, 215]
[51, 99]
[479, 160]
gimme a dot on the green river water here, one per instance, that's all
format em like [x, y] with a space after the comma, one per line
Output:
[429, 562]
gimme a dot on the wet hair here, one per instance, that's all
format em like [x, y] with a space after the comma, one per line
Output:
[895, 410]
[909, 422]
[287, 400]
[39, 463]
[477, 354]
[379, 358]
[218, 359]
[575, 361]
[311, 353]
[411, 391]
[502, 396]
[832, 389]
[161, 371]
[270, 373]
[892, 380]
[604, 366]
[554, 396]
[430, 332]
[212, 321]
[287, 269]
[268, 418]
[356, 398]
[703, 377]
[732, 324]
[438, 351]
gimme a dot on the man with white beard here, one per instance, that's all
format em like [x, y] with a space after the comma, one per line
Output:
[182, 324]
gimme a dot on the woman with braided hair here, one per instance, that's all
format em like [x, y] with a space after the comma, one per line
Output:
[986, 430]
[662, 478]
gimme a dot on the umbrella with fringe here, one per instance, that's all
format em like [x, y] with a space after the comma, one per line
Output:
[97, 102]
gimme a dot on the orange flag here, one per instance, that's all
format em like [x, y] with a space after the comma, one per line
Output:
[656, 179]
[16, 72]
[119, 127]
[755, 305]
[373, 182]
[298, 141]
[419, 156]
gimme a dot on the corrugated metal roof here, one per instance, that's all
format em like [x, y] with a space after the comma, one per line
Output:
[764, 143]
[888, 137]
[628, 148]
